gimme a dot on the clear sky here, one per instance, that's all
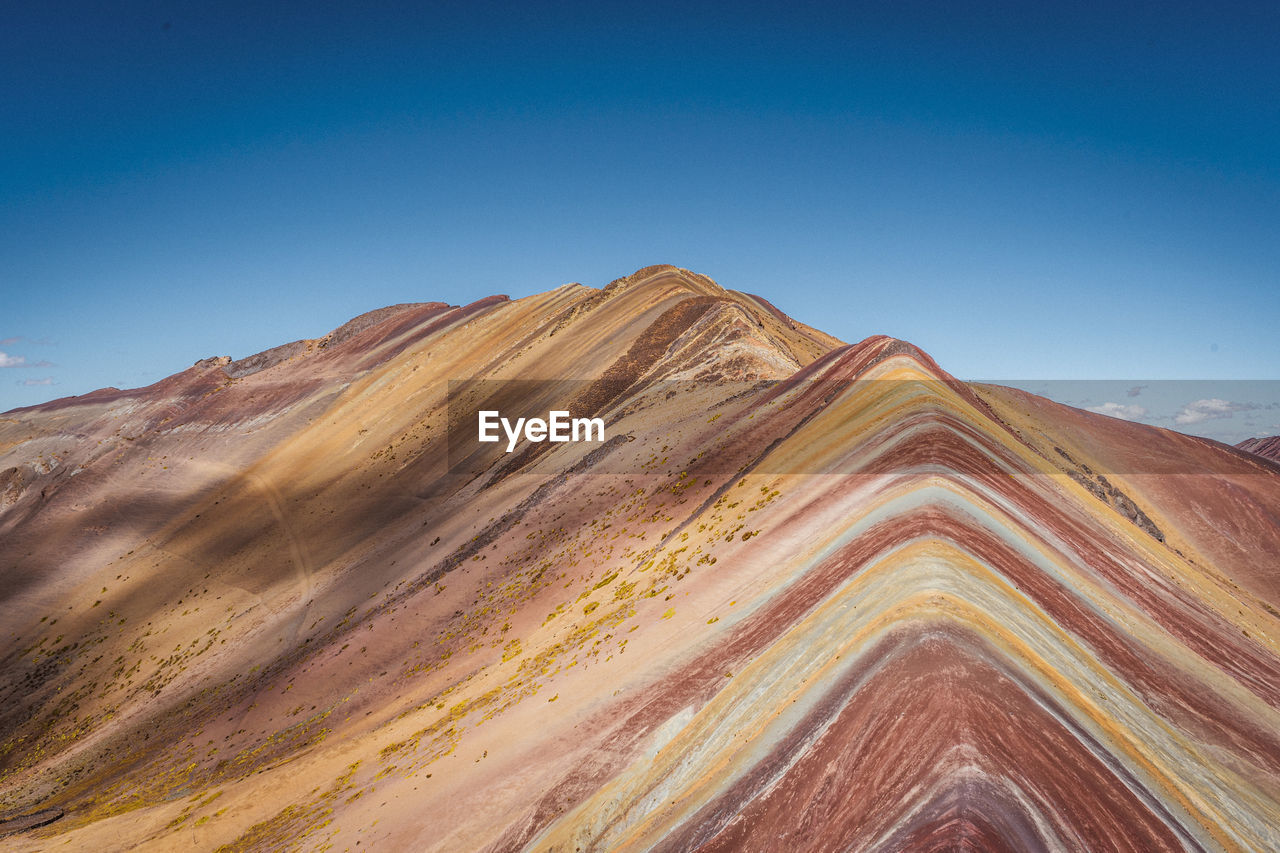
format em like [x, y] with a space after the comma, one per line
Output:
[1026, 190]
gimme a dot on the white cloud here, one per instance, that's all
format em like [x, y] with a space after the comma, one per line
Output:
[7, 360]
[1208, 410]
[48, 380]
[1118, 410]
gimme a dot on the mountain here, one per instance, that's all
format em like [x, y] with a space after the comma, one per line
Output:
[801, 593]
[1267, 448]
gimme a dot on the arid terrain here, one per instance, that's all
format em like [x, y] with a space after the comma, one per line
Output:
[807, 595]
[1268, 448]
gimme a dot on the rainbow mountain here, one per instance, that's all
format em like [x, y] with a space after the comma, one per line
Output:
[806, 595]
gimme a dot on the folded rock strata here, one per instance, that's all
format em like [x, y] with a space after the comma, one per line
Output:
[808, 596]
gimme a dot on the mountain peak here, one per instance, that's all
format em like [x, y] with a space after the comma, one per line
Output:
[667, 275]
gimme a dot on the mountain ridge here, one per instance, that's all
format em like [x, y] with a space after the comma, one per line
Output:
[809, 590]
[1268, 447]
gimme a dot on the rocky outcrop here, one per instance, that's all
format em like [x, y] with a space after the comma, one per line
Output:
[12, 482]
[265, 359]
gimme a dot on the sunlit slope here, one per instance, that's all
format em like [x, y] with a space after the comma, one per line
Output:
[858, 605]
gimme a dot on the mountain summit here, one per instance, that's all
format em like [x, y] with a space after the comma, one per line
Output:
[803, 594]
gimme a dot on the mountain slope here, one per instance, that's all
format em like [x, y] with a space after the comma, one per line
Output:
[1267, 448]
[807, 593]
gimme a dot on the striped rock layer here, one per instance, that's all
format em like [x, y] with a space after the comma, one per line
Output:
[806, 596]
[1268, 447]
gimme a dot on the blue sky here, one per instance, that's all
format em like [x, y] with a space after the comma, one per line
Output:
[1029, 191]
